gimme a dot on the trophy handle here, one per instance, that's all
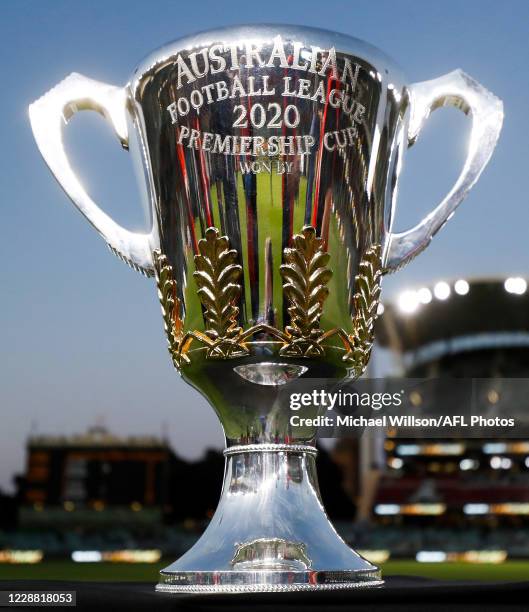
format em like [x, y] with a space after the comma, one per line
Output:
[461, 91]
[47, 115]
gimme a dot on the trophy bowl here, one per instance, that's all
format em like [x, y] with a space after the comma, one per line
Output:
[269, 157]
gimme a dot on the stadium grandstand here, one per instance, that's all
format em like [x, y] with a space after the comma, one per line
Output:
[454, 498]
[97, 496]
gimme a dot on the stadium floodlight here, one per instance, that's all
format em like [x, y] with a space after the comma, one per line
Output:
[476, 509]
[21, 556]
[408, 301]
[468, 464]
[515, 285]
[492, 448]
[493, 396]
[424, 295]
[387, 509]
[132, 556]
[443, 448]
[518, 447]
[423, 509]
[407, 450]
[495, 462]
[461, 287]
[87, 556]
[441, 290]
[482, 556]
[430, 556]
[511, 508]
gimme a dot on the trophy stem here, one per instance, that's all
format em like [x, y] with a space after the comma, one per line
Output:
[270, 531]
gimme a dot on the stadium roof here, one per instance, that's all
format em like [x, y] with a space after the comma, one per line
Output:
[96, 437]
[457, 309]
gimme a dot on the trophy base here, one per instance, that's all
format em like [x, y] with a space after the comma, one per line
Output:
[265, 582]
[270, 532]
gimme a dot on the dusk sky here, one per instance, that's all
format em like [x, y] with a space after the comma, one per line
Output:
[81, 335]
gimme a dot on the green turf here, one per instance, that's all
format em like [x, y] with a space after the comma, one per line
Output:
[487, 572]
[64, 570]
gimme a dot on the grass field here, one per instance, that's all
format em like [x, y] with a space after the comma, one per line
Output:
[510, 571]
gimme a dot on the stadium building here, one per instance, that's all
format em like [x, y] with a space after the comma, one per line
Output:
[92, 473]
[457, 498]
[101, 497]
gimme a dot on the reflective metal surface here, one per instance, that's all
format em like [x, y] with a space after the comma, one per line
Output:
[269, 158]
[270, 531]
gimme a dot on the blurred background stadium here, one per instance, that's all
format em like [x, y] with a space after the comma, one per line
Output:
[96, 500]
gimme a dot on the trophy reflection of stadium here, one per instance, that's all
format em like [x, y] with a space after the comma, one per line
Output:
[98, 496]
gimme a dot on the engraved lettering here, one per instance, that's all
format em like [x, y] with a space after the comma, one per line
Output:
[314, 58]
[237, 88]
[359, 114]
[326, 144]
[183, 106]
[330, 60]
[222, 90]
[266, 91]
[252, 54]
[216, 61]
[258, 143]
[273, 145]
[184, 133]
[207, 90]
[335, 84]
[218, 58]
[309, 142]
[332, 98]
[286, 87]
[206, 141]
[193, 139]
[319, 94]
[278, 52]
[197, 99]
[352, 72]
[262, 165]
[275, 121]
[341, 140]
[303, 88]
[172, 111]
[245, 144]
[348, 104]
[295, 60]
[221, 144]
[233, 56]
[251, 87]
[183, 71]
[194, 64]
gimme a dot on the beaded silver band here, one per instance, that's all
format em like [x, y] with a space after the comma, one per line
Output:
[265, 588]
[271, 448]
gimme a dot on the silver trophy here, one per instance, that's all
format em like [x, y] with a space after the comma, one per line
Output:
[270, 157]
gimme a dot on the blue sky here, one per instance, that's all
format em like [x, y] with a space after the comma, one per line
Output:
[81, 335]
